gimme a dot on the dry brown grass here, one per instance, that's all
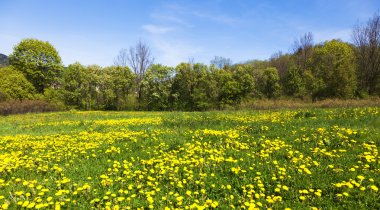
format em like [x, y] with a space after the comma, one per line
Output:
[27, 106]
[300, 104]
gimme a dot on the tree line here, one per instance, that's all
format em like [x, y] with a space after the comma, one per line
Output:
[332, 69]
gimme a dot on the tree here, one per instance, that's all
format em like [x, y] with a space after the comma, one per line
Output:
[139, 58]
[367, 41]
[302, 50]
[193, 87]
[233, 84]
[38, 61]
[294, 83]
[334, 63]
[14, 85]
[74, 85]
[156, 87]
[269, 83]
[282, 62]
[314, 85]
[221, 62]
[94, 78]
[116, 84]
[204, 95]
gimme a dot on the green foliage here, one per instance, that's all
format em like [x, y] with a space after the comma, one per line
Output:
[14, 85]
[234, 84]
[314, 85]
[74, 83]
[192, 87]
[323, 71]
[92, 98]
[115, 84]
[94, 87]
[334, 63]
[228, 89]
[294, 83]
[156, 87]
[38, 61]
[269, 83]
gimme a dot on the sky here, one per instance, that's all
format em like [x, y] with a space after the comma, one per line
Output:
[94, 31]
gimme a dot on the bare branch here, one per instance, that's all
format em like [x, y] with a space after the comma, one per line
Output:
[140, 59]
[302, 48]
[367, 41]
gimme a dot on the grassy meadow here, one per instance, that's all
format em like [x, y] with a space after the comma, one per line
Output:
[280, 159]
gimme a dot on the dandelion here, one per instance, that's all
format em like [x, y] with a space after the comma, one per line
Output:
[5, 206]
[374, 188]
[360, 177]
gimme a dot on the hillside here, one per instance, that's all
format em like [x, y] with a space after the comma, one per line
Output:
[3, 60]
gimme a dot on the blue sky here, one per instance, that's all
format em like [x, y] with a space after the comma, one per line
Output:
[93, 31]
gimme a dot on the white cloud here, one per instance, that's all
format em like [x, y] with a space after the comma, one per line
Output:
[155, 29]
[168, 18]
[199, 13]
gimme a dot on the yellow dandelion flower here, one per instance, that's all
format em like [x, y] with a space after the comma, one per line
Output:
[5, 206]
[374, 188]
[360, 177]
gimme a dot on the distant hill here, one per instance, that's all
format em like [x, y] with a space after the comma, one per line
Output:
[3, 60]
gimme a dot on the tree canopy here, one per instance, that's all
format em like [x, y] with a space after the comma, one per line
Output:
[38, 61]
[14, 85]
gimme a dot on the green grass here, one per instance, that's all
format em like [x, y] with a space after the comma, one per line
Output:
[280, 159]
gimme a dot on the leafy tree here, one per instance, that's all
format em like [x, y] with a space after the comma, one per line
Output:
[228, 88]
[244, 75]
[93, 98]
[269, 83]
[334, 63]
[233, 84]
[115, 83]
[205, 89]
[74, 85]
[192, 87]
[314, 85]
[38, 61]
[121, 83]
[14, 85]
[156, 87]
[294, 83]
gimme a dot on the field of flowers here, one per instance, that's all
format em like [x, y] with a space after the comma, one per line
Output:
[289, 159]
